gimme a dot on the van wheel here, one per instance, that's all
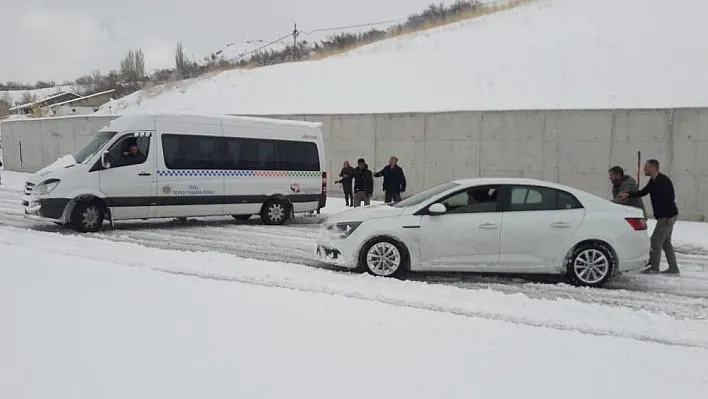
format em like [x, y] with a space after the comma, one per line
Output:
[241, 217]
[87, 216]
[275, 211]
[383, 257]
[590, 265]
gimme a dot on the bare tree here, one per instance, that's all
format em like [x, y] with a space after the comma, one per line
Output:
[180, 60]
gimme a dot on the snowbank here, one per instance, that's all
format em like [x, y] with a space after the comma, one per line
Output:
[86, 324]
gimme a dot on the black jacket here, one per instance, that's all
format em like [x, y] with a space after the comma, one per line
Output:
[663, 199]
[363, 180]
[394, 179]
[347, 175]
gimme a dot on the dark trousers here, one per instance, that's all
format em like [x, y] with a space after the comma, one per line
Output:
[661, 240]
[348, 196]
[392, 196]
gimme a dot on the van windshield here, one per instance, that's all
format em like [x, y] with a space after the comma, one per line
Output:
[425, 195]
[93, 146]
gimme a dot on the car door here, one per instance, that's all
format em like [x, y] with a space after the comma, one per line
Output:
[538, 226]
[466, 237]
[129, 183]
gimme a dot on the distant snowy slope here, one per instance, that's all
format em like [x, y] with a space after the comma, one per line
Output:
[549, 54]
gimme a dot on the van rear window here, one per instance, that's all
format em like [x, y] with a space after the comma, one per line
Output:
[183, 151]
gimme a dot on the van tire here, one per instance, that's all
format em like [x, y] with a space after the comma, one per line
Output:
[87, 216]
[275, 212]
[242, 218]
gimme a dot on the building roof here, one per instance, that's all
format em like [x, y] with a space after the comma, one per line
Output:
[45, 99]
[80, 98]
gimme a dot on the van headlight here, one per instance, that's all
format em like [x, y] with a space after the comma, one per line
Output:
[45, 187]
[342, 230]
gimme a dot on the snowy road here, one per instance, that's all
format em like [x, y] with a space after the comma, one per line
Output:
[683, 297]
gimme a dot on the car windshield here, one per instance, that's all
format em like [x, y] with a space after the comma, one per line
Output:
[93, 146]
[425, 195]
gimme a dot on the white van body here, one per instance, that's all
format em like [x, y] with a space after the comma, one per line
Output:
[186, 165]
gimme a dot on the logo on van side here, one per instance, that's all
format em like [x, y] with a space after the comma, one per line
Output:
[295, 187]
[166, 190]
[310, 136]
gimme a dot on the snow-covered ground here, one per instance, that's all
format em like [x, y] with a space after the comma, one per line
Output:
[548, 54]
[220, 308]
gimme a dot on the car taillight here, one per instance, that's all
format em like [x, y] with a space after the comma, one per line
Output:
[324, 182]
[637, 223]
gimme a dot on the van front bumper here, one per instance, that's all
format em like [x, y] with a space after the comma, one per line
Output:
[45, 208]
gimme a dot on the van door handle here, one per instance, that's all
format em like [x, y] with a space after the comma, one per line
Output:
[560, 225]
[143, 174]
[488, 226]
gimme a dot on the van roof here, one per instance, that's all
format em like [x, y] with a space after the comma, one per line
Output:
[191, 117]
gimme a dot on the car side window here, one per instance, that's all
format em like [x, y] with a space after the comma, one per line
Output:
[128, 151]
[568, 201]
[529, 198]
[473, 200]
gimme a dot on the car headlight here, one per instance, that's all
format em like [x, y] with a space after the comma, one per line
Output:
[343, 229]
[46, 187]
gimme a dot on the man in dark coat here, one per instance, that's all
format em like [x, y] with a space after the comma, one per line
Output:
[622, 183]
[394, 180]
[663, 203]
[347, 175]
[363, 183]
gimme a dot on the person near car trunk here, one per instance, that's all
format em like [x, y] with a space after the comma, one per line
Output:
[347, 175]
[663, 203]
[363, 183]
[622, 183]
[394, 182]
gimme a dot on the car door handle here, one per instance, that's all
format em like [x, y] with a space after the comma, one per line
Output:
[143, 174]
[488, 226]
[560, 225]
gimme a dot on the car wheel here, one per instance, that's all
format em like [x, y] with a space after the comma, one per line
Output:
[590, 265]
[383, 257]
[275, 212]
[241, 217]
[87, 216]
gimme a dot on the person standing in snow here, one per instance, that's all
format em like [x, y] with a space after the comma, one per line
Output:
[363, 183]
[622, 183]
[394, 180]
[347, 175]
[663, 202]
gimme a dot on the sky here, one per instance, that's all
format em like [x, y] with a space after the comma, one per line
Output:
[62, 40]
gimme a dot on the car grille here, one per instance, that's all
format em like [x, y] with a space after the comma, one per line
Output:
[28, 188]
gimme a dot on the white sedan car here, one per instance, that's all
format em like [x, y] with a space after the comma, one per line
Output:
[496, 225]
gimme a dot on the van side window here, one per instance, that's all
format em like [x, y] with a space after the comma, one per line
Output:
[128, 151]
[192, 152]
[298, 155]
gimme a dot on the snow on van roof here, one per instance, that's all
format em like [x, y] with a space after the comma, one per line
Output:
[229, 117]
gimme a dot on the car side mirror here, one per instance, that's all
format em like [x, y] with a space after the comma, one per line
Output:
[437, 209]
[105, 161]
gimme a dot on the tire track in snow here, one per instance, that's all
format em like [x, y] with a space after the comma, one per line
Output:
[295, 244]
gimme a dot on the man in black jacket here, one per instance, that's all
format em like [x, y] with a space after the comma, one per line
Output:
[363, 183]
[394, 180]
[347, 175]
[663, 202]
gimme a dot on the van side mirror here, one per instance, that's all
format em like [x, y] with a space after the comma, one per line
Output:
[437, 209]
[105, 161]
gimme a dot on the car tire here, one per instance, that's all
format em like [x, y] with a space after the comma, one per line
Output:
[384, 257]
[275, 212]
[590, 265]
[242, 218]
[87, 216]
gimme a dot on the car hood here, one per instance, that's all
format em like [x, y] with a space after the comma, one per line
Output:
[57, 170]
[360, 214]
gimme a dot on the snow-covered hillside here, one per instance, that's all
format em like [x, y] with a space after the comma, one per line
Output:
[548, 54]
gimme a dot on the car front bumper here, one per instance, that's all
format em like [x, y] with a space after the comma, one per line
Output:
[335, 251]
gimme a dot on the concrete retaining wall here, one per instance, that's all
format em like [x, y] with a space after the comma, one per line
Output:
[574, 147]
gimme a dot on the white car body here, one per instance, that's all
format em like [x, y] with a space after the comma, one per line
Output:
[511, 237]
[194, 165]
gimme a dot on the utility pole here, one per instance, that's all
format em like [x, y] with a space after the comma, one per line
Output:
[296, 55]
